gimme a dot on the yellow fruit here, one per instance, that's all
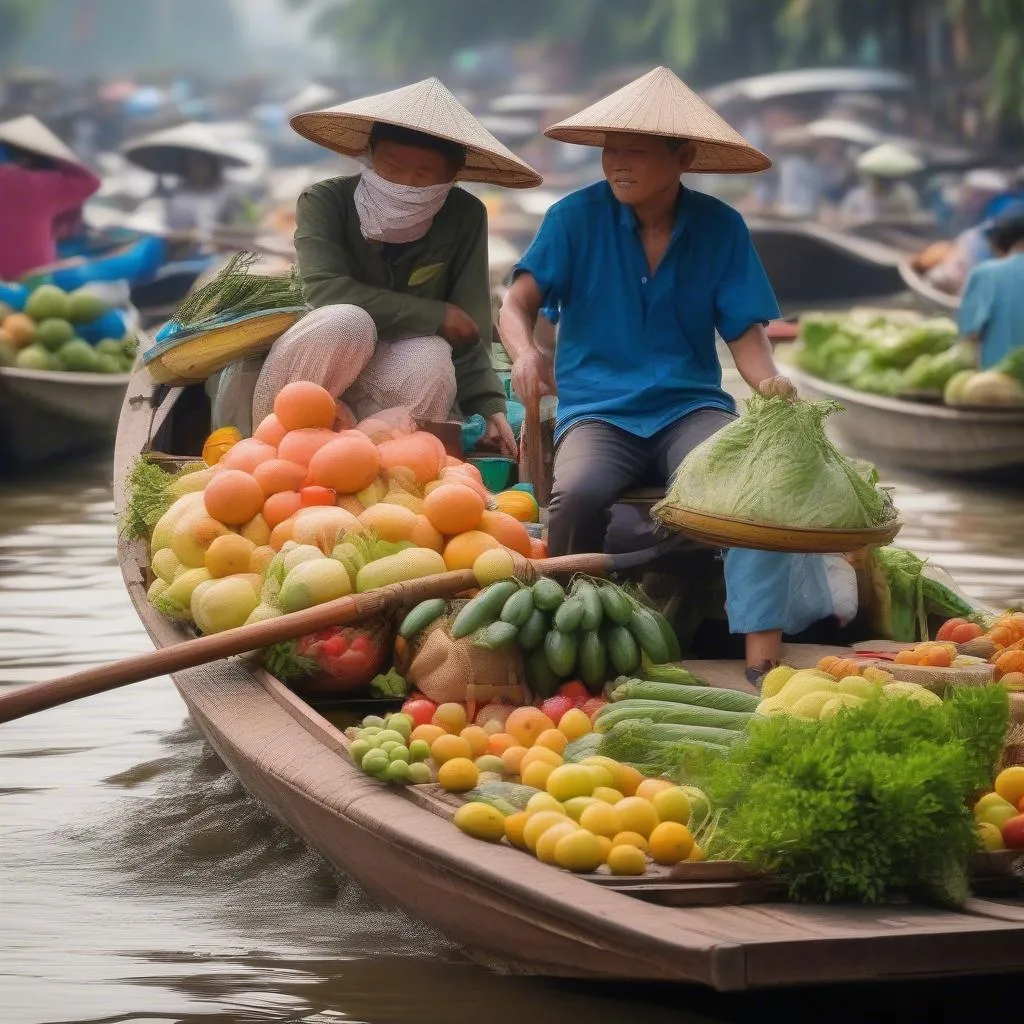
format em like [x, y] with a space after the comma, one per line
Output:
[427, 732]
[538, 824]
[481, 821]
[626, 860]
[536, 774]
[490, 763]
[697, 853]
[458, 775]
[649, 787]
[549, 840]
[990, 836]
[228, 555]
[1010, 784]
[569, 780]
[543, 802]
[607, 794]
[636, 815]
[629, 779]
[672, 804]
[775, 680]
[670, 843]
[600, 818]
[447, 747]
[630, 839]
[219, 443]
[514, 825]
[165, 564]
[577, 805]
[194, 533]
[257, 531]
[545, 754]
[574, 724]
[613, 766]
[552, 739]
[578, 851]
[606, 847]
[997, 814]
[451, 717]
[600, 776]
[477, 739]
[512, 759]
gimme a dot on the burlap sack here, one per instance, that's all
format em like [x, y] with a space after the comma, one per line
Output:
[443, 669]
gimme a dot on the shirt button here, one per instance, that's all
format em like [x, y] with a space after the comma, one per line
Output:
[643, 280]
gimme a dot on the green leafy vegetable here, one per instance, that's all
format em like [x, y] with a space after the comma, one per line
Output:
[389, 684]
[148, 499]
[934, 372]
[860, 805]
[776, 465]
[283, 661]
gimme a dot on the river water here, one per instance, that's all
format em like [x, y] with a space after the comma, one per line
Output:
[138, 881]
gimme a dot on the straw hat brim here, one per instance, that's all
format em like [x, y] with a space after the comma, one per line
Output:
[426, 107]
[660, 104]
[29, 133]
[165, 152]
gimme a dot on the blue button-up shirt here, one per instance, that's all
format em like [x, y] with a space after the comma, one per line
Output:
[637, 349]
[992, 307]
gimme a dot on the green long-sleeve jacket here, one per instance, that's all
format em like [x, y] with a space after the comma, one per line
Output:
[407, 297]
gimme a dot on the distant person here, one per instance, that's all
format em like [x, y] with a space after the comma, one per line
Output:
[1009, 200]
[201, 199]
[884, 193]
[992, 307]
[41, 180]
[979, 189]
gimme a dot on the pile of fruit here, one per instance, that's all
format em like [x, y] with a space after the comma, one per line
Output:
[302, 513]
[965, 642]
[594, 631]
[57, 330]
[527, 778]
[1000, 814]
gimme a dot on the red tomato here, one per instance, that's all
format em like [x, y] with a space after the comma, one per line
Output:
[591, 707]
[336, 646]
[575, 691]
[315, 495]
[555, 707]
[420, 710]
[1013, 833]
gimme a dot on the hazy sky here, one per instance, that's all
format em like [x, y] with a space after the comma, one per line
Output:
[268, 21]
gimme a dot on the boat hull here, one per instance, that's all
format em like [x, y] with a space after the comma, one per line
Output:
[925, 293]
[912, 435]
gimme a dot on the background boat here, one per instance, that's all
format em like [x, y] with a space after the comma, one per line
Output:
[924, 292]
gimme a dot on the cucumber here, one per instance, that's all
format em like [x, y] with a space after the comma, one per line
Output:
[670, 712]
[593, 611]
[531, 634]
[547, 594]
[616, 605]
[496, 636]
[569, 616]
[483, 609]
[518, 608]
[593, 659]
[647, 634]
[422, 616]
[560, 650]
[668, 635]
[703, 696]
[622, 650]
[541, 680]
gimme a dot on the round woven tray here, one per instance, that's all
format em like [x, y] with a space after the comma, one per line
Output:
[730, 532]
[938, 679]
[192, 358]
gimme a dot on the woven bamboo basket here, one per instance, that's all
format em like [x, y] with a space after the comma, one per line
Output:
[733, 532]
[191, 358]
[938, 680]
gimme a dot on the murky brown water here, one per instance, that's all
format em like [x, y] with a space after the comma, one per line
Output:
[138, 882]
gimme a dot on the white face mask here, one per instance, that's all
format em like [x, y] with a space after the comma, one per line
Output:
[396, 213]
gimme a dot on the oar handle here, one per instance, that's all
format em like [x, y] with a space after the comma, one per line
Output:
[205, 649]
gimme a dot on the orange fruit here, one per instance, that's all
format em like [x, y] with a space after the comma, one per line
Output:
[276, 475]
[270, 430]
[219, 443]
[526, 724]
[389, 522]
[347, 464]
[553, 739]
[421, 452]
[427, 732]
[448, 747]
[233, 497]
[247, 455]
[545, 754]
[425, 535]
[282, 533]
[545, 850]
[1010, 784]
[512, 758]
[635, 815]
[451, 716]
[477, 739]
[630, 839]
[629, 779]
[649, 787]
[301, 445]
[499, 742]
[281, 506]
[514, 826]
[465, 548]
[506, 530]
[228, 555]
[458, 774]
[538, 824]
[670, 843]
[454, 508]
[304, 404]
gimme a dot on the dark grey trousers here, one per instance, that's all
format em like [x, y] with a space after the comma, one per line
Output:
[596, 463]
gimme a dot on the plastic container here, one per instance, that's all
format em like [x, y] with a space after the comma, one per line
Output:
[495, 471]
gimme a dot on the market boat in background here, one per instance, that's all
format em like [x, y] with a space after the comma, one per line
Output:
[502, 904]
[50, 414]
[923, 436]
[923, 290]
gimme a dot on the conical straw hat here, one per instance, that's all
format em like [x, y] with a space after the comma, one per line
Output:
[659, 103]
[889, 161]
[31, 134]
[426, 107]
[163, 152]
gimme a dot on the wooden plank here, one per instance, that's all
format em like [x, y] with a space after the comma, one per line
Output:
[700, 894]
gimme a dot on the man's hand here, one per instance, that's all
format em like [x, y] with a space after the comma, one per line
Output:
[499, 433]
[533, 377]
[458, 327]
[778, 386]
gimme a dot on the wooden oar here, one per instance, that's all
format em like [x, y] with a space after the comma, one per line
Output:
[345, 610]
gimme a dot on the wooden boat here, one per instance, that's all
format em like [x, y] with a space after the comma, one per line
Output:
[811, 266]
[497, 901]
[47, 414]
[916, 435]
[924, 291]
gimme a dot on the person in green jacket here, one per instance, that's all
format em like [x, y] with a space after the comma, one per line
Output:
[394, 263]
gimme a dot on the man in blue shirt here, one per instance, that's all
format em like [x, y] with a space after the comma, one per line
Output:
[643, 272]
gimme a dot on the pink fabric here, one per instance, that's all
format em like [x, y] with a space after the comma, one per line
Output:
[29, 203]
